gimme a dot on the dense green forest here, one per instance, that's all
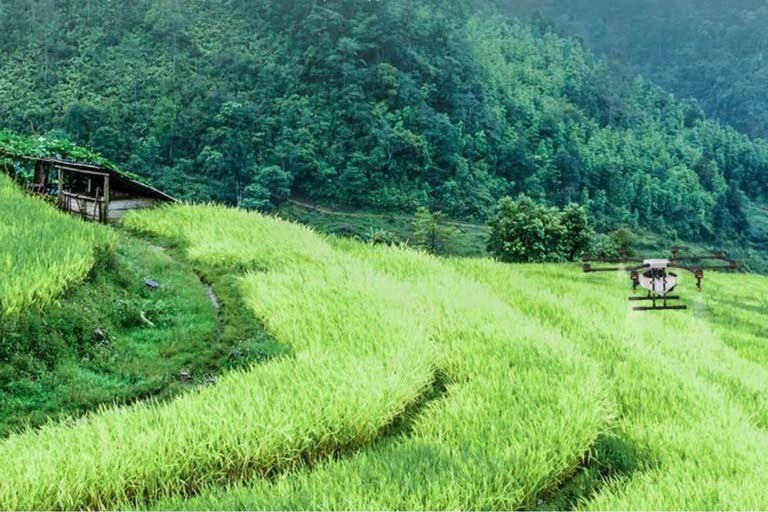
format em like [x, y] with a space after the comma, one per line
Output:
[391, 105]
[715, 51]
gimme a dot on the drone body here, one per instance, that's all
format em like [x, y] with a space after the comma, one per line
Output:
[654, 275]
[656, 279]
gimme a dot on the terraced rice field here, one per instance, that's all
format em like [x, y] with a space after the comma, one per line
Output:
[42, 251]
[420, 383]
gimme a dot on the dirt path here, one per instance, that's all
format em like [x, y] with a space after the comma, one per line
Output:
[216, 304]
[336, 213]
[211, 296]
[207, 288]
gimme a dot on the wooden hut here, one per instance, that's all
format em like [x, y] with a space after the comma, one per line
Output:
[101, 194]
[92, 191]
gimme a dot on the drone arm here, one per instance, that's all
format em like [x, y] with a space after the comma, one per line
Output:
[587, 259]
[589, 268]
[684, 263]
[698, 271]
[732, 265]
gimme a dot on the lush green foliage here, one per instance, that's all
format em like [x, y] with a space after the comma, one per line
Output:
[17, 145]
[711, 51]
[523, 231]
[394, 104]
[36, 272]
[15, 151]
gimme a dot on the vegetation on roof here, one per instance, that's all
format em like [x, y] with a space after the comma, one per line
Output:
[61, 149]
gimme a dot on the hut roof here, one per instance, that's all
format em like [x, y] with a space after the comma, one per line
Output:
[62, 153]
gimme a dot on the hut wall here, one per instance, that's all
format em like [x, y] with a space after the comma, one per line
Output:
[118, 208]
[82, 206]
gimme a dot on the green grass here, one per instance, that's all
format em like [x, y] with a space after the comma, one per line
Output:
[469, 240]
[44, 252]
[57, 366]
[412, 382]
[71, 343]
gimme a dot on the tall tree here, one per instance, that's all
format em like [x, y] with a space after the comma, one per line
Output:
[431, 232]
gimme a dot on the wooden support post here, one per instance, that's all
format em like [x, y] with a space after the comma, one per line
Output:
[61, 186]
[105, 209]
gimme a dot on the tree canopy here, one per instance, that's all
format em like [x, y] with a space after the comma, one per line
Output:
[391, 105]
[711, 51]
[522, 231]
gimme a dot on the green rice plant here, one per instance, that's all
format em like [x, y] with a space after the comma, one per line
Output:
[231, 238]
[361, 356]
[519, 413]
[691, 427]
[738, 307]
[42, 251]
[420, 383]
[688, 433]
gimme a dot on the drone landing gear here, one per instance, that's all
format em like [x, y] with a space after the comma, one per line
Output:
[659, 303]
[668, 297]
[660, 308]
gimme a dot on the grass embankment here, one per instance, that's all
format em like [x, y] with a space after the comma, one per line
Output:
[519, 413]
[365, 347]
[340, 389]
[72, 336]
[689, 392]
[92, 346]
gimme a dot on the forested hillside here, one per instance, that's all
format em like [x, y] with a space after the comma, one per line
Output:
[390, 104]
[715, 51]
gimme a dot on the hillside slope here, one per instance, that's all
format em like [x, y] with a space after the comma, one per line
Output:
[386, 104]
[712, 51]
[420, 383]
[80, 329]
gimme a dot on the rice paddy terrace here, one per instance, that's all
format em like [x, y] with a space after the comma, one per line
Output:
[35, 272]
[403, 381]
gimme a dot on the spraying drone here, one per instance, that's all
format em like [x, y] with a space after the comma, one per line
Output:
[655, 276]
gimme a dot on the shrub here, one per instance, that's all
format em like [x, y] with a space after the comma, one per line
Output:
[431, 231]
[384, 237]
